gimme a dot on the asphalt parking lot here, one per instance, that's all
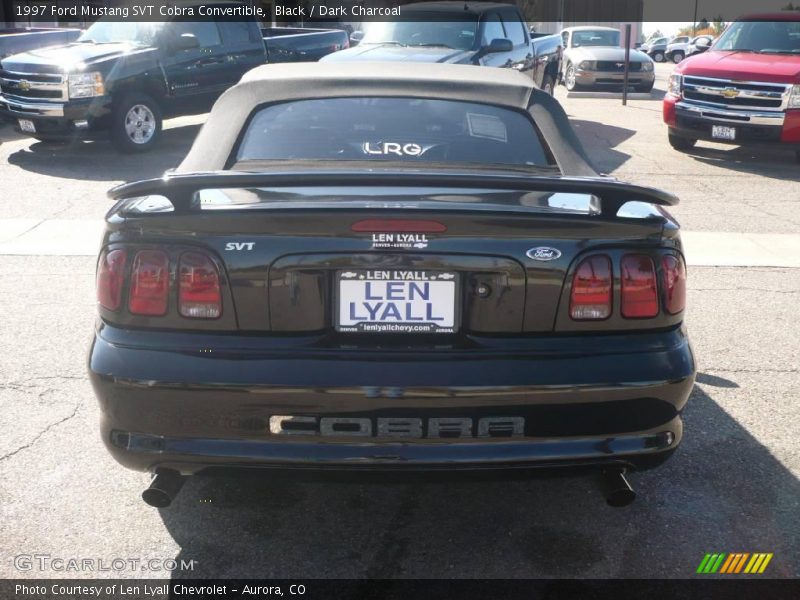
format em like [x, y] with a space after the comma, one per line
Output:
[732, 487]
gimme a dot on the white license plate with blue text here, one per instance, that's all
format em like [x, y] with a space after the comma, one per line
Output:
[27, 125]
[396, 301]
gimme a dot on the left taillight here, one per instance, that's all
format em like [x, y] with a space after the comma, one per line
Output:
[110, 278]
[199, 296]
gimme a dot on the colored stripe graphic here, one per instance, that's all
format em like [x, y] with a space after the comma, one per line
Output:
[741, 562]
[734, 561]
[756, 563]
[727, 564]
[718, 564]
[764, 564]
[703, 563]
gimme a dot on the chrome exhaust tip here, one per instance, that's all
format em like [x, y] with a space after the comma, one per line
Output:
[163, 488]
[616, 489]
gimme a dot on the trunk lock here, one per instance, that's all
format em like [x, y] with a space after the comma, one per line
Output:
[483, 290]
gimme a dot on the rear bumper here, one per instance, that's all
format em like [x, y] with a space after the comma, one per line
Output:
[166, 404]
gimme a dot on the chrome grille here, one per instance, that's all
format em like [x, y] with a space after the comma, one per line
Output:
[617, 66]
[34, 86]
[736, 95]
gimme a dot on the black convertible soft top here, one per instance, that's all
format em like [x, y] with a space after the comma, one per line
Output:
[300, 81]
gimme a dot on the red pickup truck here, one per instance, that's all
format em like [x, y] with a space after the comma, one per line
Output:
[744, 90]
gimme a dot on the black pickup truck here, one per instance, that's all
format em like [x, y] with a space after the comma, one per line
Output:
[123, 78]
[24, 39]
[484, 34]
[481, 33]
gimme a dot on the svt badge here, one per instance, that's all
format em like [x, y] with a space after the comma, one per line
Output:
[543, 253]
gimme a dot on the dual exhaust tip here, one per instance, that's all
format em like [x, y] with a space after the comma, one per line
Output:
[166, 485]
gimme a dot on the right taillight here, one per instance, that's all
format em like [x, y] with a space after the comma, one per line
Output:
[199, 296]
[149, 290]
[674, 274]
[110, 277]
[590, 298]
[639, 294]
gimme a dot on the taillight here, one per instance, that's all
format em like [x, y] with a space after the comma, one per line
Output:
[199, 295]
[149, 293]
[674, 284]
[591, 289]
[110, 276]
[639, 288]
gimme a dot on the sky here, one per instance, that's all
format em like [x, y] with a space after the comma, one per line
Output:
[667, 28]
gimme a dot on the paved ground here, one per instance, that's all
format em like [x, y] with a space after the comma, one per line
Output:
[732, 487]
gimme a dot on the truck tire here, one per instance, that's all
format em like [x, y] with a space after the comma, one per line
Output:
[549, 84]
[658, 56]
[645, 88]
[678, 56]
[569, 78]
[135, 123]
[681, 144]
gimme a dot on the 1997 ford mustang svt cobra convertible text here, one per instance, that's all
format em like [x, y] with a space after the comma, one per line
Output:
[364, 268]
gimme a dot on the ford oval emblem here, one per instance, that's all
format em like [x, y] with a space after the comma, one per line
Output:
[543, 253]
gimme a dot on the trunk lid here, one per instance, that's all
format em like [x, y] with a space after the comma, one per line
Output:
[499, 254]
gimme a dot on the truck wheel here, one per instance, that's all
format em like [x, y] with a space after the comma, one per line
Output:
[548, 84]
[677, 56]
[658, 56]
[681, 144]
[136, 123]
[569, 78]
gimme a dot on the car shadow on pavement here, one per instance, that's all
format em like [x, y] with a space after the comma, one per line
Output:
[600, 142]
[9, 134]
[775, 163]
[722, 492]
[99, 161]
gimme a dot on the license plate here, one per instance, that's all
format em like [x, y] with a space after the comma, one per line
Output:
[396, 301]
[27, 125]
[721, 132]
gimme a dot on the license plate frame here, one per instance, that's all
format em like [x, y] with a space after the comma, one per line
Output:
[723, 132]
[26, 125]
[440, 279]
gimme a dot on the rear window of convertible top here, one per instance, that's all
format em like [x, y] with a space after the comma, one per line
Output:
[396, 129]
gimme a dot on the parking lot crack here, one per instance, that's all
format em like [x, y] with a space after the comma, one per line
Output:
[41, 433]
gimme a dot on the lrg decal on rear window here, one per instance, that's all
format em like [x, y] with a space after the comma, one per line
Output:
[405, 129]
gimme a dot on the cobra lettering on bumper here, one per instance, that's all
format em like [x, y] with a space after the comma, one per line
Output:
[405, 427]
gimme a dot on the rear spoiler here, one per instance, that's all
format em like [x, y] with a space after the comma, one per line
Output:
[180, 188]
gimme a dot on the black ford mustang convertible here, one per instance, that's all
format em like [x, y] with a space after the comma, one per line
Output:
[361, 267]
